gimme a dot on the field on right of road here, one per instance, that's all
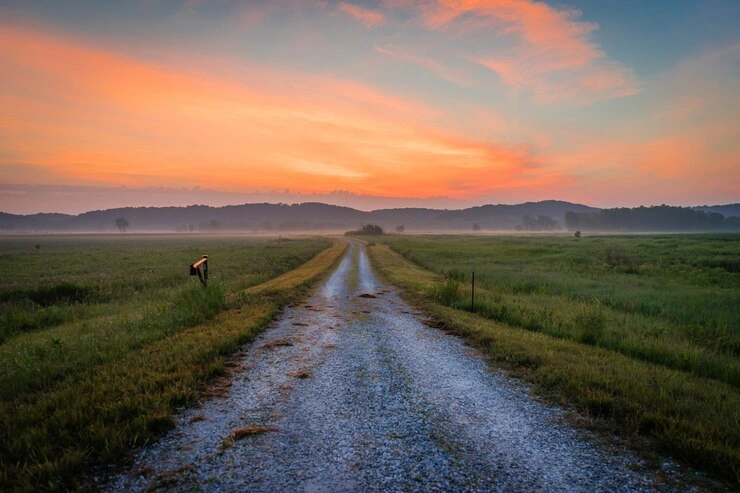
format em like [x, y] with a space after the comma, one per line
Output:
[650, 323]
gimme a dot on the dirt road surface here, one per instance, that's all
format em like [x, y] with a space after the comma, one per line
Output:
[350, 391]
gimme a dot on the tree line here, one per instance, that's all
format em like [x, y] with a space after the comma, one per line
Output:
[655, 218]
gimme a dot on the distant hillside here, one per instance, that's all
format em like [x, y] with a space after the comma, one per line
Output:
[487, 217]
[312, 216]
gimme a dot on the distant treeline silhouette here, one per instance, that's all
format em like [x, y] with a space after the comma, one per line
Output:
[656, 218]
[548, 215]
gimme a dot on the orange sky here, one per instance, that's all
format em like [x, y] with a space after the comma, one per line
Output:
[571, 122]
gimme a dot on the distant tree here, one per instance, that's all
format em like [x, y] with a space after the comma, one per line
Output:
[476, 227]
[400, 229]
[213, 225]
[368, 229]
[191, 228]
[122, 224]
[577, 234]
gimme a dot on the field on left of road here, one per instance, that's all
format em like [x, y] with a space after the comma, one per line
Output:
[103, 338]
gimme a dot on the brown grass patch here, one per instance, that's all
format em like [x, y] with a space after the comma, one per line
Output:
[367, 295]
[219, 387]
[300, 374]
[276, 343]
[247, 431]
[241, 433]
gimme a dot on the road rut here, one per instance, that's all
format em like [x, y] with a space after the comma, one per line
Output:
[353, 392]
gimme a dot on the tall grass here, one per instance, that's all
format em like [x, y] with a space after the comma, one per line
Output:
[658, 299]
[108, 376]
[649, 344]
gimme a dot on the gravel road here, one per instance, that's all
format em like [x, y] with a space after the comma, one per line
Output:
[350, 391]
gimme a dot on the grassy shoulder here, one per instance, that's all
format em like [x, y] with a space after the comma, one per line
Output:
[691, 417]
[102, 409]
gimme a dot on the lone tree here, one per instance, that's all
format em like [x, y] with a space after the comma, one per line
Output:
[400, 229]
[122, 224]
[476, 227]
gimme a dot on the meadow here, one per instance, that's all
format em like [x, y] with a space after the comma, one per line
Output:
[641, 333]
[103, 338]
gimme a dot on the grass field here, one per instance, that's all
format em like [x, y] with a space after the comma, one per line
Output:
[642, 332]
[104, 337]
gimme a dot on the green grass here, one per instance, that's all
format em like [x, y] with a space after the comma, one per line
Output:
[671, 300]
[107, 372]
[643, 331]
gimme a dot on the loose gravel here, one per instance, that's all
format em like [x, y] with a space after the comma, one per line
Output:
[351, 391]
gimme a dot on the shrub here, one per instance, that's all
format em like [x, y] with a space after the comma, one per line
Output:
[368, 229]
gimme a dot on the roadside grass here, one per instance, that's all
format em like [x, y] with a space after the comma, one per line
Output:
[83, 394]
[565, 334]
[661, 299]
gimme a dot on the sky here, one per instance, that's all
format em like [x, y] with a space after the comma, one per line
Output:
[387, 103]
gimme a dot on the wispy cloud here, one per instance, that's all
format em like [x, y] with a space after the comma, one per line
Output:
[553, 53]
[426, 62]
[366, 17]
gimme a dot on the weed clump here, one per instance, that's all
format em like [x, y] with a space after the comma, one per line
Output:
[447, 292]
[590, 325]
[197, 304]
[617, 257]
